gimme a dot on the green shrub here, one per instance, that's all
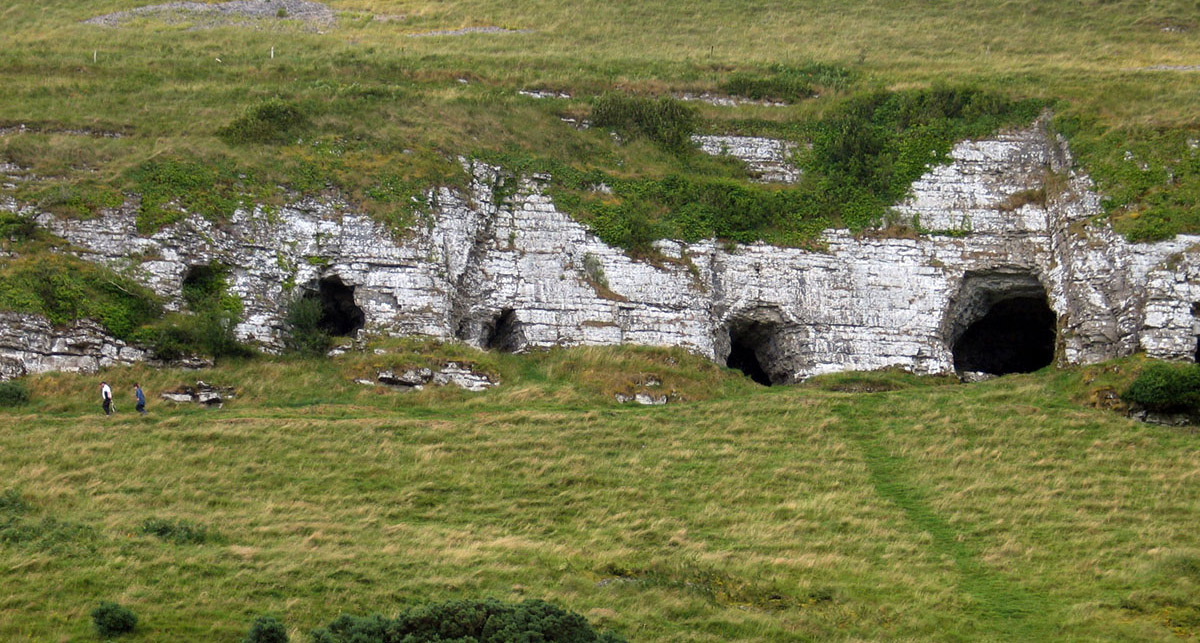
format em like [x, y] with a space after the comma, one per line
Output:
[178, 335]
[13, 394]
[665, 121]
[486, 621]
[180, 532]
[267, 629]
[272, 121]
[15, 227]
[303, 334]
[1166, 387]
[65, 289]
[112, 619]
[171, 188]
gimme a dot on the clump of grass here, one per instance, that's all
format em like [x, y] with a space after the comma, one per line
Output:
[172, 188]
[274, 121]
[179, 532]
[788, 83]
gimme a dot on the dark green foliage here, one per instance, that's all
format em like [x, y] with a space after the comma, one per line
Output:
[209, 333]
[45, 534]
[180, 532]
[665, 121]
[486, 621]
[15, 227]
[272, 121]
[1166, 387]
[112, 619]
[65, 289]
[11, 503]
[865, 155]
[302, 327]
[267, 629]
[13, 393]
[787, 83]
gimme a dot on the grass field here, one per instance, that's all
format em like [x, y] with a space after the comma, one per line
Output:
[1006, 510]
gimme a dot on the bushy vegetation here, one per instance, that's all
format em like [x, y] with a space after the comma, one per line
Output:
[13, 393]
[486, 621]
[266, 629]
[665, 121]
[180, 532]
[303, 333]
[64, 289]
[1166, 387]
[272, 121]
[865, 154]
[170, 188]
[111, 619]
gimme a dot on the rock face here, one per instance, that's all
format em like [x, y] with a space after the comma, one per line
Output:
[984, 250]
[29, 344]
[767, 158]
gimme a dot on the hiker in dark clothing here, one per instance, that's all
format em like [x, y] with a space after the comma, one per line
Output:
[106, 398]
[141, 398]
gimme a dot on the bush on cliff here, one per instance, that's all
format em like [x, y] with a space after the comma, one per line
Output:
[272, 121]
[665, 121]
[1166, 387]
[303, 334]
[486, 621]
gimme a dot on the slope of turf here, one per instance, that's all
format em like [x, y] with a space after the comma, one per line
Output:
[934, 511]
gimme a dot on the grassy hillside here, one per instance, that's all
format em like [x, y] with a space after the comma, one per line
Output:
[925, 511]
[387, 112]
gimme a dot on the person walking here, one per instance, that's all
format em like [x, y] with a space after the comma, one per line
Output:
[106, 398]
[141, 398]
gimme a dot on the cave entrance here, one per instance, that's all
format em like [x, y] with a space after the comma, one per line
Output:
[203, 285]
[504, 333]
[1005, 325]
[340, 316]
[751, 345]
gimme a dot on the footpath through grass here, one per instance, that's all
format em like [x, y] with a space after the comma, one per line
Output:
[998, 511]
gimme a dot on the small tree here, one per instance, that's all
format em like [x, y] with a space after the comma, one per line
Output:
[303, 333]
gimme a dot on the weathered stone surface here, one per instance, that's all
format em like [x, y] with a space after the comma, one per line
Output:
[450, 373]
[521, 274]
[202, 393]
[29, 344]
[767, 158]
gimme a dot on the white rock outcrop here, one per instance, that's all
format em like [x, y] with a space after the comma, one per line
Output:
[521, 274]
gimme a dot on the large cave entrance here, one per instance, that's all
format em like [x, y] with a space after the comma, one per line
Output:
[1004, 324]
[504, 332]
[340, 316]
[753, 350]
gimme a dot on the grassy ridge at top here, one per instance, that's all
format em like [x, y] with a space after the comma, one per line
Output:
[390, 110]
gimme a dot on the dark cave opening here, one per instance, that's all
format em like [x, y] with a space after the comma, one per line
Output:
[504, 333]
[748, 344]
[1015, 335]
[203, 284]
[340, 316]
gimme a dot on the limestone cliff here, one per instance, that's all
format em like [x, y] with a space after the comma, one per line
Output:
[984, 245]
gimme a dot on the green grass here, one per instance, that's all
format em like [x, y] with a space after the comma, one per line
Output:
[380, 116]
[998, 511]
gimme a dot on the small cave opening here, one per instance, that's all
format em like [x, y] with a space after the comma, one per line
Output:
[1196, 329]
[203, 284]
[504, 333]
[1014, 335]
[749, 346]
[340, 316]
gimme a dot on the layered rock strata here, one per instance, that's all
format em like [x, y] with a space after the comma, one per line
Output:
[519, 274]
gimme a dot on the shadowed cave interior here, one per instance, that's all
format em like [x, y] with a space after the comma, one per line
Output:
[340, 316]
[1015, 335]
[749, 346]
[504, 333]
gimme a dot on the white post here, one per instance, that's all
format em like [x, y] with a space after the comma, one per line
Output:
[94, 52]
[272, 53]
